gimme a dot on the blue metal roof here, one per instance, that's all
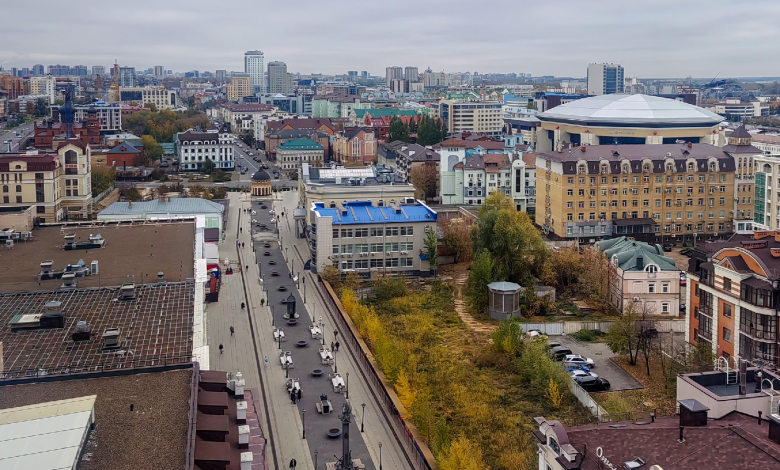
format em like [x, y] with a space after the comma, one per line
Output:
[363, 212]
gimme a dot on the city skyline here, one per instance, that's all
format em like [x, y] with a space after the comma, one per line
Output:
[648, 43]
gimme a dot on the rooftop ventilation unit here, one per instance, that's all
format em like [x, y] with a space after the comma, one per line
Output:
[111, 338]
[127, 291]
[633, 464]
[160, 277]
[69, 281]
[52, 315]
[82, 332]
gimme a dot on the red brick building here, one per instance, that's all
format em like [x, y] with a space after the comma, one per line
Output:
[47, 129]
[13, 85]
[124, 154]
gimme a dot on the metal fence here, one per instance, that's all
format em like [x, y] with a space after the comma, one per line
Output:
[103, 366]
[588, 402]
[417, 452]
[570, 327]
[100, 196]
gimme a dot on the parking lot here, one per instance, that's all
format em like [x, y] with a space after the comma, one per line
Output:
[600, 353]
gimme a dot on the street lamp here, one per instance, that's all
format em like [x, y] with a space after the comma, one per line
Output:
[272, 317]
[316, 453]
[322, 330]
[304, 424]
[363, 417]
[380, 455]
[346, 392]
[335, 365]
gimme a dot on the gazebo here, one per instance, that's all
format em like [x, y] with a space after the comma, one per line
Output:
[504, 301]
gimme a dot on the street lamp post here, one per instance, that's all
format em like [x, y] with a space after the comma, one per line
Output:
[272, 317]
[304, 424]
[335, 365]
[316, 453]
[346, 392]
[322, 330]
[363, 418]
[380, 455]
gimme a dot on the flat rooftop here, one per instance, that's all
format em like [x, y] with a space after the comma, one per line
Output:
[137, 250]
[151, 436]
[364, 212]
[156, 325]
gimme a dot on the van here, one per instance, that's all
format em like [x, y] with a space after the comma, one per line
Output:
[559, 352]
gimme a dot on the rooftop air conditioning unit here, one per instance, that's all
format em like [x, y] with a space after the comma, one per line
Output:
[404, 252]
[111, 338]
[127, 291]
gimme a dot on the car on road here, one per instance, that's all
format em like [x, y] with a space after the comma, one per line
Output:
[265, 167]
[572, 367]
[577, 359]
[250, 154]
[667, 247]
[164, 165]
[687, 252]
[593, 384]
[581, 373]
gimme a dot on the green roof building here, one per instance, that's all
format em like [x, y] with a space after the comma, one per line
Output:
[292, 153]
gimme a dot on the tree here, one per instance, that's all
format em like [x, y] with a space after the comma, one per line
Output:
[219, 192]
[463, 454]
[41, 107]
[102, 179]
[249, 138]
[425, 179]
[457, 238]
[509, 338]
[480, 275]
[553, 394]
[152, 150]
[208, 166]
[195, 190]
[511, 238]
[562, 268]
[151, 107]
[431, 249]
[398, 130]
[629, 332]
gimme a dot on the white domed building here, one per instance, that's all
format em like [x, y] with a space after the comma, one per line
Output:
[626, 119]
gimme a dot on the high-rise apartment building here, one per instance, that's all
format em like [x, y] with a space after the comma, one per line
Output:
[471, 116]
[38, 69]
[221, 75]
[159, 71]
[279, 81]
[240, 86]
[605, 79]
[126, 76]
[43, 86]
[98, 70]
[254, 65]
[393, 73]
[364, 75]
[411, 74]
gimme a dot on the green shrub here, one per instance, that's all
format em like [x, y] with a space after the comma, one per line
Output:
[588, 335]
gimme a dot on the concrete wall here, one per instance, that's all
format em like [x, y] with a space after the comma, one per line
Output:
[19, 221]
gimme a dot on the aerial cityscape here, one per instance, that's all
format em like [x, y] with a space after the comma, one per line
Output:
[554, 246]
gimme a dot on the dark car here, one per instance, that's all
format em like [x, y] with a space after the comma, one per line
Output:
[558, 353]
[667, 246]
[687, 252]
[592, 384]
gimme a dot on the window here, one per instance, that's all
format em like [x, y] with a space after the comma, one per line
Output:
[664, 307]
[651, 288]
[335, 233]
[18, 188]
[665, 288]
[18, 199]
[726, 335]
[361, 232]
[726, 284]
[570, 192]
[727, 310]
[554, 445]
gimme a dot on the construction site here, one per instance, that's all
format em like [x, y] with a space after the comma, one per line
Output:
[128, 251]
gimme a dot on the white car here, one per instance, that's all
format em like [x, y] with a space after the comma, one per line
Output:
[582, 373]
[578, 359]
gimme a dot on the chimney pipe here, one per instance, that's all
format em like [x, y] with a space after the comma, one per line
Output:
[682, 438]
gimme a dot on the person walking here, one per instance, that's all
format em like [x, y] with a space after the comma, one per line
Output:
[232, 331]
[265, 359]
[300, 394]
[220, 348]
[293, 463]
[332, 346]
[337, 346]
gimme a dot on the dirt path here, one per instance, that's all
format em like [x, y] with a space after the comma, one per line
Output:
[461, 276]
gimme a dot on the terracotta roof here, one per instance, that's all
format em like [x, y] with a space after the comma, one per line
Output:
[530, 160]
[124, 147]
[77, 142]
[471, 144]
[306, 123]
[497, 160]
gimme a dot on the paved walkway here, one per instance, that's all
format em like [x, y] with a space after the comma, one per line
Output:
[241, 353]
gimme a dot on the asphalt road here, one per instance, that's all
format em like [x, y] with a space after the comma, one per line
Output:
[604, 367]
[24, 131]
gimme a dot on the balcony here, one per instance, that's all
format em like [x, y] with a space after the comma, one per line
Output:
[704, 312]
[758, 334]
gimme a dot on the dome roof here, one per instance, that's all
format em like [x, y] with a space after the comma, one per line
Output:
[261, 175]
[631, 110]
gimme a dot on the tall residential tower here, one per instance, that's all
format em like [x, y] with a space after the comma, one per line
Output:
[254, 65]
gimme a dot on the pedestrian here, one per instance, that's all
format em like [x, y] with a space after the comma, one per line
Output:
[220, 348]
[332, 346]
[337, 345]
[300, 393]
[292, 394]
[293, 463]
[262, 302]
[295, 397]
[232, 331]
[265, 359]
[243, 245]
[241, 229]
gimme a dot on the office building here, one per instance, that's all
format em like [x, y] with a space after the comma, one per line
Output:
[159, 71]
[411, 74]
[108, 114]
[240, 86]
[734, 109]
[127, 76]
[279, 81]
[352, 75]
[45, 85]
[57, 183]
[626, 119]
[287, 103]
[680, 191]
[38, 69]
[160, 97]
[471, 116]
[399, 86]
[732, 297]
[254, 65]
[371, 240]
[605, 79]
[194, 148]
[98, 70]
[364, 76]
[221, 75]
[291, 154]
[393, 73]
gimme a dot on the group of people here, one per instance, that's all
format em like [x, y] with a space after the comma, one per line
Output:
[295, 395]
[334, 346]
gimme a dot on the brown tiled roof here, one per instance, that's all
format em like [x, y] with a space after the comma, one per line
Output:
[470, 144]
[735, 442]
[499, 159]
[72, 141]
[530, 160]
[306, 123]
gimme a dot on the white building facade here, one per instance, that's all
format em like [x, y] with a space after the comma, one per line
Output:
[44, 86]
[254, 65]
[194, 148]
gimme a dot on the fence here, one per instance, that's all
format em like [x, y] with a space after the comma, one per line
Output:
[569, 327]
[417, 452]
[98, 367]
[588, 402]
[100, 196]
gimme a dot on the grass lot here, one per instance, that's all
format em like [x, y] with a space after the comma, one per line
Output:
[656, 395]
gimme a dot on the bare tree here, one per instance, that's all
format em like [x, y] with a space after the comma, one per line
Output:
[457, 237]
[425, 179]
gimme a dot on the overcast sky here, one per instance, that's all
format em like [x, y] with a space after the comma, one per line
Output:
[662, 38]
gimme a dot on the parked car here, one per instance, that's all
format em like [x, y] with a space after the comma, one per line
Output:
[582, 373]
[265, 167]
[164, 165]
[577, 359]
[560, 352]
[687, 252]
[593, 384]
[571, 367]
[667, 246]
